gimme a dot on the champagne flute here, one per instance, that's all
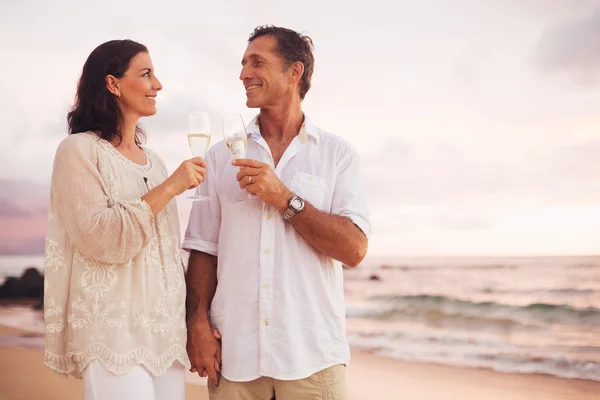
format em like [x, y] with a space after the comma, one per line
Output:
[199, 139]
[236, 137]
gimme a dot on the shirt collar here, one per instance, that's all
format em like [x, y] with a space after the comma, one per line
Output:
[307, 129]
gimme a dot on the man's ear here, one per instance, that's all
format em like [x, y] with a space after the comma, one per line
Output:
[296, 71]
[112, 84]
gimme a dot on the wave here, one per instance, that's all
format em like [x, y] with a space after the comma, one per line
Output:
[554, 365]
[482, 353]
[492, 266]
[474, 343]
[585, 266]
[446, 308]
[569, 291]
[563, 291]
[402, 267]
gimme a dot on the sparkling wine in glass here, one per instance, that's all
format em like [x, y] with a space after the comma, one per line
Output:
[236, 137]
[234, 134]
[199, 140]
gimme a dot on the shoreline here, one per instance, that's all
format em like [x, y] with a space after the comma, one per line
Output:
[368, 377]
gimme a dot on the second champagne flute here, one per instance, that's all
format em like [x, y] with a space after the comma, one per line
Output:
[236, 137]
[199, 139]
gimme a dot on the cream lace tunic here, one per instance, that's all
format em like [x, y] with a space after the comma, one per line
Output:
[114, 281]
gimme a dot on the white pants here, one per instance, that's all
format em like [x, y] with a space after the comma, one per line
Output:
[138, 384]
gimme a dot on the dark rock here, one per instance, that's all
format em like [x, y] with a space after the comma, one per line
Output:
[29, 286]
[33, 283]
[40, 304]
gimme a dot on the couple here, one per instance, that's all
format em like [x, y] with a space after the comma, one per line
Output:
[264, 314]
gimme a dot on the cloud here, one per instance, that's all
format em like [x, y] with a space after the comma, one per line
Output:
[23, 211]
[10, 209]
[404, 173]
[571, 173]
[571, 47]
[172, 115]
[23, 199]
[462, 106]
[412, 219]
[455, 222]
[577, 160]
[33, 245]
[21, 188]
[413, 187]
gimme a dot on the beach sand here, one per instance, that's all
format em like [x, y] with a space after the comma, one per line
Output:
[24, 377]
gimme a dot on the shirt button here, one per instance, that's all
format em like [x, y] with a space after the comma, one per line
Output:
[269, 216]
[310, 178]
[269, 157]
[266, 322]
[267, 251]
[266, 286]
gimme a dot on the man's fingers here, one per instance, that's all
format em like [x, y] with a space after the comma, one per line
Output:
[212, 376]
[244, 172]
[197, 366]
[251, 170]
[217, 366]
[218, 358]
[247, 162]
[216, 333]
[247, 180]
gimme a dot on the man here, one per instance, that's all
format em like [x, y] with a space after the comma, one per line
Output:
[266, 270]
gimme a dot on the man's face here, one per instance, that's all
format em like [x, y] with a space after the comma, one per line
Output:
[263, 75]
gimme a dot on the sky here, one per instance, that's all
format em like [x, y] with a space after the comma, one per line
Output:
[476, 122]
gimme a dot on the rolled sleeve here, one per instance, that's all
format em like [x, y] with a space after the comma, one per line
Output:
[200, 245]
[204, 225]
[349, 194]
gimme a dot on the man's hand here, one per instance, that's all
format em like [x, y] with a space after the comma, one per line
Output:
[260, 180]
[204, 350]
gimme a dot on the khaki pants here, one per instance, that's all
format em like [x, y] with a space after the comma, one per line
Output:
[328, 384]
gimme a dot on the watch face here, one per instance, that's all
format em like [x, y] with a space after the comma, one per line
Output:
[296, 203]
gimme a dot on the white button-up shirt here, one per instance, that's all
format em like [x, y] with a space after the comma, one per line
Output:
[279, 303]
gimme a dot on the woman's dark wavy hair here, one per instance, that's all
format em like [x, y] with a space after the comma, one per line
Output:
[95, 108]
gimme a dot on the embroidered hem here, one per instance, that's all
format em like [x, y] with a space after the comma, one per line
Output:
[73, 363]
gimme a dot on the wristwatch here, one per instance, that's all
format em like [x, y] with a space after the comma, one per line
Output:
[295, 205]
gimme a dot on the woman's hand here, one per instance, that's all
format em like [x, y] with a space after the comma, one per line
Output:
[189, 175]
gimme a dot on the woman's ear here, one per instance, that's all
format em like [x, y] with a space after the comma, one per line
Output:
[112, 84]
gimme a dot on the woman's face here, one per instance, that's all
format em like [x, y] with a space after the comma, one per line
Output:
[138, 87]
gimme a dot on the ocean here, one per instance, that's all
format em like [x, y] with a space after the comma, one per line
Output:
[508, 314]
[524, 315]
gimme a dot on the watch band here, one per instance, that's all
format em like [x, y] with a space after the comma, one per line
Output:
[288, 214]
[292, 210]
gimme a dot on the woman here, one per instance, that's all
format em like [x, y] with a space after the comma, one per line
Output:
[115, 290]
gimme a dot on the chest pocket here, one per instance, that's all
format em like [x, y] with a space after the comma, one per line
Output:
[310, 187]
